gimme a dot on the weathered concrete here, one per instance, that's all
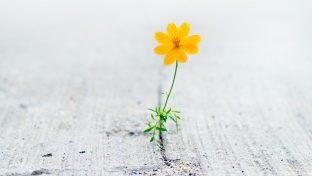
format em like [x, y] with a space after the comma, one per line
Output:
[77, 77]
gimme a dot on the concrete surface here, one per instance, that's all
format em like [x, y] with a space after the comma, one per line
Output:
[77, 77]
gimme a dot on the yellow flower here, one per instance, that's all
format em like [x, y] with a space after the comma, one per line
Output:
[175, 43]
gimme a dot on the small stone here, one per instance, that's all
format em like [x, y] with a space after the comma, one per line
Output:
[40, 172]
[47, 155]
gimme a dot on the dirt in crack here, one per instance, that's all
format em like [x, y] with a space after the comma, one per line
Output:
[162, 149]
[161, 141]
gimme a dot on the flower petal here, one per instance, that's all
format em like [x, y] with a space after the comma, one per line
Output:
[172, 30]
[162, 38]
[192, 40]
[169, 58]
[184, 30]
[162, 49]
[190, 49]
[179, 55]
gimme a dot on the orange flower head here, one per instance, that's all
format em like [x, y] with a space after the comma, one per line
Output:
[176, 43]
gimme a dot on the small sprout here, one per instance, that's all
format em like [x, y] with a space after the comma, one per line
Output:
[158, 118]
[152, 110]
[152, 138]
[149, 129]
[161, 129]
[168, 111]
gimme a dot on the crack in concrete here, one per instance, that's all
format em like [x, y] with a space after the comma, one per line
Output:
[174, 164]
[161, 141]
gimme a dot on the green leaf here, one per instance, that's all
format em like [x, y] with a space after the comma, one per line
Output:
[158, 109]
[168, 111]
[161, 129]
[165, 118]
[149, 124]
[152, 139]
[149, 129]
[162, 118]
[176, 116]
[152, 110]
[172, 118]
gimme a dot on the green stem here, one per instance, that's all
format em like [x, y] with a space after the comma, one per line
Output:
[174, 76]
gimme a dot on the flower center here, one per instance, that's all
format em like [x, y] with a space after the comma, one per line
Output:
[176, 42]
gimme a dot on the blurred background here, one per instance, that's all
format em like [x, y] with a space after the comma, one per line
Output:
[275, 32]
